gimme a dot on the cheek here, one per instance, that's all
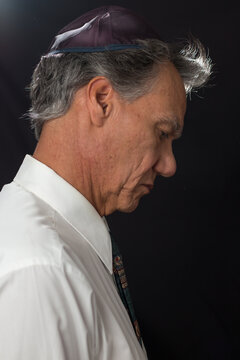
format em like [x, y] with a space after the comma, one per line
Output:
[149, 163]
[136, 153]
[150, 156]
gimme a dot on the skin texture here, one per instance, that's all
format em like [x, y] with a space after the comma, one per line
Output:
[108, 148]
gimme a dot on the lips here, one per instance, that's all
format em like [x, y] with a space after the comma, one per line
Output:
[149, 186]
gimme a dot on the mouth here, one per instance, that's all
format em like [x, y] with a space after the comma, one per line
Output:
[148, 186]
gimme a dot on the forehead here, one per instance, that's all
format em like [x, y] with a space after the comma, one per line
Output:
[168, 97]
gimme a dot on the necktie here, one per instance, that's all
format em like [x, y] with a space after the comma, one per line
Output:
[122, 285]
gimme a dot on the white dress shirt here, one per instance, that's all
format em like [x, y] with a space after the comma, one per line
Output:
[58, 300]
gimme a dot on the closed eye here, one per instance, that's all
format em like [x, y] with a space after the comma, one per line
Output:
[163, 135]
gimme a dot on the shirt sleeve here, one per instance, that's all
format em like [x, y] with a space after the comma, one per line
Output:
[46, 313]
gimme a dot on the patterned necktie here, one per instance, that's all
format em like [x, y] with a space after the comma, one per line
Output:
[122, 285]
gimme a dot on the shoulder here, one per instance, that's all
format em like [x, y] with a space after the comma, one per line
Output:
[27, 232]
[32, 233]
[42, 305]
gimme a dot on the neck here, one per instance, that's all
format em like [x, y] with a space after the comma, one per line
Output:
[65, 158]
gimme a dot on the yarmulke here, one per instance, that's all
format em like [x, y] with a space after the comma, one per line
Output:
[105, 28]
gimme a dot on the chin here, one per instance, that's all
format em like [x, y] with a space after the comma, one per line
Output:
[128, 207]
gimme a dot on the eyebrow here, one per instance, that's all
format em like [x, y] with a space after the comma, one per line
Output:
[174, 123]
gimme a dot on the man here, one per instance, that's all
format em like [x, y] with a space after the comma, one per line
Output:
[108, 99]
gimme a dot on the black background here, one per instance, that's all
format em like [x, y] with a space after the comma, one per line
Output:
[181, 245]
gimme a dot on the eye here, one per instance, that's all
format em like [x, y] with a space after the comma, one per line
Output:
[163, 135]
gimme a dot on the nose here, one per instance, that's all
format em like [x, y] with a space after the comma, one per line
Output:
[166, 164]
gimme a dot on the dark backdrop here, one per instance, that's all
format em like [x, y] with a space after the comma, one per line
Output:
[181, 245]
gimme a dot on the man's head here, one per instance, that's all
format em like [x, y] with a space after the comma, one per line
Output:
[119, 109]
[135, 138]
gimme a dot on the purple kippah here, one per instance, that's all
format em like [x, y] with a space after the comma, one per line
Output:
[105, 28]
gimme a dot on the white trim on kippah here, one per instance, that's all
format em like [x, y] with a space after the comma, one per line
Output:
[68, 34]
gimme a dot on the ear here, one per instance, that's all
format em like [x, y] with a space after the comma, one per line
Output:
[99, 99]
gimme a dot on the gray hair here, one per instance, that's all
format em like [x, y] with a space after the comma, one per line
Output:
[131, 72]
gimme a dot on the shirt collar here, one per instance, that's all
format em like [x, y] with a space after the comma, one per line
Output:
[45, 183]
